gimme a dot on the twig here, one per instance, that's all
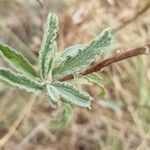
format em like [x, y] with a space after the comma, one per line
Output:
[113, 59]
[142, 11]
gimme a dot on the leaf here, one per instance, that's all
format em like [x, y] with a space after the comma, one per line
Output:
[53, 95]
[91, 78]
[47, 51]
[64, 120]
[19, 81]
[17, 60]
[69, 93]
[94, 77]
[49, 69]
[85, 57]
[71, 51]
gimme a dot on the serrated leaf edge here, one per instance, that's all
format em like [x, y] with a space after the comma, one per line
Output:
[47, 41]
[28, 89]
[19, 69]
[71, 70]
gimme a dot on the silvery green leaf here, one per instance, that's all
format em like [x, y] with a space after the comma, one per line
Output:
[19, 81]
[48, 44]
[64, 119]
[68, 52]
[71, 51]
[49, 69]
[50, 60]
[17, 60]
[53, 95]
[85, 57]
[69, 93]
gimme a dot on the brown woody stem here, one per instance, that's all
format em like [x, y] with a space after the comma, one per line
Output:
[113, 59]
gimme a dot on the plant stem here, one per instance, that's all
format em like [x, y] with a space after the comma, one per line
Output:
[110, 60]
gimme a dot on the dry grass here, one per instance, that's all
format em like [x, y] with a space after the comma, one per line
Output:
[120, 119]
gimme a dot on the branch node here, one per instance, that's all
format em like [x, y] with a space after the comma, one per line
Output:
[119, 51]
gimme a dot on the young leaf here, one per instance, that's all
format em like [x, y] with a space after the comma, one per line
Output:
[85, 57]
[49, 68]
[19, 81]
[53, 95]
[95, 78]
[50, 60]
[64, 120]
[17, 60]
[90, 78]
[68, 93]
[48, 45]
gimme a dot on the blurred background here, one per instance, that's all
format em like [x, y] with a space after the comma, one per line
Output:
[120, 114]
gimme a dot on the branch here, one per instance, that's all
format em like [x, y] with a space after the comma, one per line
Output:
[113, 59]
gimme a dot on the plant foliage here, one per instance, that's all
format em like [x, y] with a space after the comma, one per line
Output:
[64, 120]
[71, 61]
[84, 57]
[17, 60]
[20, 81]
[68, 93]
[47, 52]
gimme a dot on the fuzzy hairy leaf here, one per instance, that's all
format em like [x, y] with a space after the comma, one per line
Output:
[53, 95]
[69, 93]
[17, 60]
[48, 44]
[50, 60]
[71, 51]
[68, 52]
[64, 119]
[19, 81]
[85, 57]
[49, 69]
